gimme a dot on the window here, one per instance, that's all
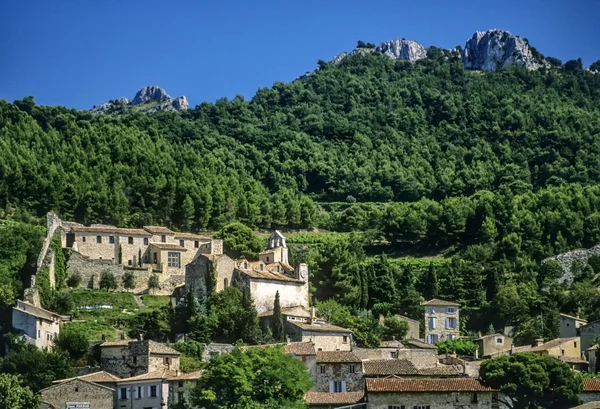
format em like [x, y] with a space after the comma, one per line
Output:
[337, 387]
[111, 239]
[432, 339]
[123, 393]
[575, 344]
[474, 398]
[450, 310]
[455, 397]
[173, 260]
[432, 310]
[450, 323]
[130, 240]
[39, 334]
[83, 239]
[163, 238]
[322, 369]
[129, 262]
[421, 407]
[155, 258]
[267, 259]
[396, 407]
[138, 392]
[145, 241]
[180, 384]
[135, 359]
[394, 354]
[153, 391]
[196, 244]
[261, 267]
[98, 239]
[499, 340]
[432, 323]
[245, 266]
[179, 396]
[166, 360]
[345, 339]
[181, 243]
[225, 283]
[452, 336]
[351, 368]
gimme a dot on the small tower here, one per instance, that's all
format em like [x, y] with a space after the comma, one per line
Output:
[277, 251]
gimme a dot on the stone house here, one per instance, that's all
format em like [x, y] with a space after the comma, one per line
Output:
[565, 349]
[36, 325]
[262, 279]
[441, 320]
[413, 325]
[493, 344]
[77, 393]
[589, 331]
[325, 337]
[394, 393]
[591, 354]
[127, 358]
[338, 371]
[591, 390]
[570, 326]
[156, 389]
[304, 351]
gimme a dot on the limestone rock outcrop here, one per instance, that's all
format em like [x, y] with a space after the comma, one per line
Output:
[148, 99]
[405, 50]
[495, 49]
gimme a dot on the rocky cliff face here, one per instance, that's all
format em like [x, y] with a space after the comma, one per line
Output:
[147, 99]
[495, 49]
[405, 50]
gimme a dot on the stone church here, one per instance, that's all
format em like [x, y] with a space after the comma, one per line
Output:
[261, 278]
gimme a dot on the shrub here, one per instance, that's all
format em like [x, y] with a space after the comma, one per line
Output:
[63, 303]
[128, 280]
[74, 280]
[108, 281]
[153, 282]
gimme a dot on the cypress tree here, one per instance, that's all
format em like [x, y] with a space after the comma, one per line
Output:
[140, 257]
[277, 320]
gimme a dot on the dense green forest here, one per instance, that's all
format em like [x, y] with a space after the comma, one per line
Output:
[496, 170]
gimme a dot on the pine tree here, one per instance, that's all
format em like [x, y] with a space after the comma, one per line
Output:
[278, 334]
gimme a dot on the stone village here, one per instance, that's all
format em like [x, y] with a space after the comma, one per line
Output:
[142, 374]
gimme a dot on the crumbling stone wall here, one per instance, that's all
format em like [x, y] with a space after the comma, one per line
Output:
[566, 260]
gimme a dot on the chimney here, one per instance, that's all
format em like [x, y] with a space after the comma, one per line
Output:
[539, 341]
[393, 337]
[512, 348]
[103, 337]
[141, 337]
[178, 373]
[313, 317]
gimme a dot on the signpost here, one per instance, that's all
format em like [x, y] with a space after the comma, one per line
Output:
[78, 405]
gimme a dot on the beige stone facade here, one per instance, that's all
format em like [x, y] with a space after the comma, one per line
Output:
[36, 325]
[127, 358]
[570, 326]
[441, 321]
[494, 344]
[77, 391]
[324, 337]
[338, 372]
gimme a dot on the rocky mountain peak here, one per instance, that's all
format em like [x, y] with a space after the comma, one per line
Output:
[402, 49]
[148, 99]
[494, 49]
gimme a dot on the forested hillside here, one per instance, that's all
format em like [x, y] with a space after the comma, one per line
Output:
[502, 167]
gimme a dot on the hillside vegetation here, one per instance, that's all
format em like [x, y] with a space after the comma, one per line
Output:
[499, 170]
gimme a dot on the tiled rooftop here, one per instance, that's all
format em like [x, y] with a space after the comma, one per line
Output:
[319, 327]
[300, 348]
[425, 385]
[553, 344]
[385, 367]
[437, 301]
[591, 385]
[327, 398]
[96, 377]
[334, 357]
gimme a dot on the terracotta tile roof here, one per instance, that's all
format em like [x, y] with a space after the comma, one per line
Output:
[267, 275]
[300, 348]
[591, 385]
[110, 229]
[168, 246]
[553, 344]
[573, 317]
[425, 385]
[38, 312]
[392, 344]
[403, 317]
[420, 344]
[386, 367]
[185, 376]
[119, 343]
[319, 327]
[161, 349]
[327, 398]
[96, 377]
[191, 236]
[66, 381]
[164, 374]
[337, 357]
[437, 301]
[589, 405]
[158, 230]
[441, 370]
[296, 311]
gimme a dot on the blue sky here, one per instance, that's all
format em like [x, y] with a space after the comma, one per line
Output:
[79, 53]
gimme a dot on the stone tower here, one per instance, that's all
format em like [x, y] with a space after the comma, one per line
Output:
[277, 251]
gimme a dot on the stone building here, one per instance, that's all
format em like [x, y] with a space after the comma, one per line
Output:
[36, 325]
[494, 344]
[304, 351]
[404, 368]
[589, 331]
[570, 326]
[441, 320]
[262, 279]
[413, 326]
[565, 349]
[338, 371]
[465, 393]
[77, 393]
[325, 337]
[127, 358]
[157, 389]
